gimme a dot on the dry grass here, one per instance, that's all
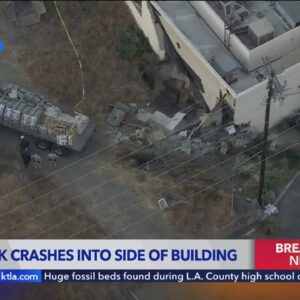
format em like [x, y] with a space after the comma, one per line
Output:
[28, 205]
[45, 55]
[204, 209]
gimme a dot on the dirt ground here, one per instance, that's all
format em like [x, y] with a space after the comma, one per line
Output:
[44, 54]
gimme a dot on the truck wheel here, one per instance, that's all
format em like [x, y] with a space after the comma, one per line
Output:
[59, 150]
[42, 145]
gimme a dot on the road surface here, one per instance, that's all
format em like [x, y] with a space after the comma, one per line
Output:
[289, 211]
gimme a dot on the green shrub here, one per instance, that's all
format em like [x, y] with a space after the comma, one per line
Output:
[133, 44]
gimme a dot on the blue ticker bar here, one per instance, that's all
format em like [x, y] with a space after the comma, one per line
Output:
[60, 276]
[1, 46]
[170, 276]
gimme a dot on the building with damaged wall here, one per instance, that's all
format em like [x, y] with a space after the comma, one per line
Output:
[230, 61]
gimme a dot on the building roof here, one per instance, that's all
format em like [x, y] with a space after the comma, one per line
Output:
[225, 63]
[292, 8]
[198, 32]
[257, 10]
[206, 42]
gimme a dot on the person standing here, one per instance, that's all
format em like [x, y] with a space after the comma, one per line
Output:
[26, 157]
[50, 146]
[37, 161]
[24, 143]
[52, 158]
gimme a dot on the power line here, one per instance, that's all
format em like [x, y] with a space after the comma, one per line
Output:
[98, 186]
[189, 197]
[73, 163]
[108, 164]
[157, 195]
[102, 149]
[163, 173]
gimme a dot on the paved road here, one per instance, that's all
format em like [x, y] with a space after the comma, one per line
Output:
[289, 211]
[112, 198]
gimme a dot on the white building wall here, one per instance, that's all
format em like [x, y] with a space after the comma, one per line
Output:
[275, 48]
[250, 104]
[144, 20]
[211, 80]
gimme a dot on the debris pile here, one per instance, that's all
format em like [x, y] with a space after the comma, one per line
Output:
[117, 115]
[25, 13]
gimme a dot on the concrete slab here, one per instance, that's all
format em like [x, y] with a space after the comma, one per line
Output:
[186, 147]
[161, 119]
[117, 115]
[156, 136]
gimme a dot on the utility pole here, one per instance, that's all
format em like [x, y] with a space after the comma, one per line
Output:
[277, 91]
[265, 142]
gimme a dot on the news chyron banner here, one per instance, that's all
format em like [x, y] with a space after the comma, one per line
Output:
[35, 261]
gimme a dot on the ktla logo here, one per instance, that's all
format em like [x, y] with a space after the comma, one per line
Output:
[1, 46]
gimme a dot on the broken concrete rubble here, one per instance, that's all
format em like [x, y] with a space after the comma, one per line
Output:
[117, 115]
[139, 135]
[170, 200]
[120, 138]
[162, 203]
[273, 138]
[25, 13]
[242, 142]
[189, 146]
[170, 70]
[273, 146]
[161, 119]
[270, 209]
[156, 136]
[213, 119]
[180, 76]
[183, 133]
[175, 120]
[201, 146]
[244, 137]
[224, 148]
[186, 147]
[231, 130]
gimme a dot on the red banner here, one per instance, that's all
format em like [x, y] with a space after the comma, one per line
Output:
[277, 254]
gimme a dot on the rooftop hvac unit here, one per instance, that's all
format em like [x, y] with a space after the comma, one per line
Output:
[225, 65]
[234, 9]
[261, 31]
[289, 11]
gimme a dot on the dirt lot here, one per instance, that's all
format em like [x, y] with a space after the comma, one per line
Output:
[44, 54]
